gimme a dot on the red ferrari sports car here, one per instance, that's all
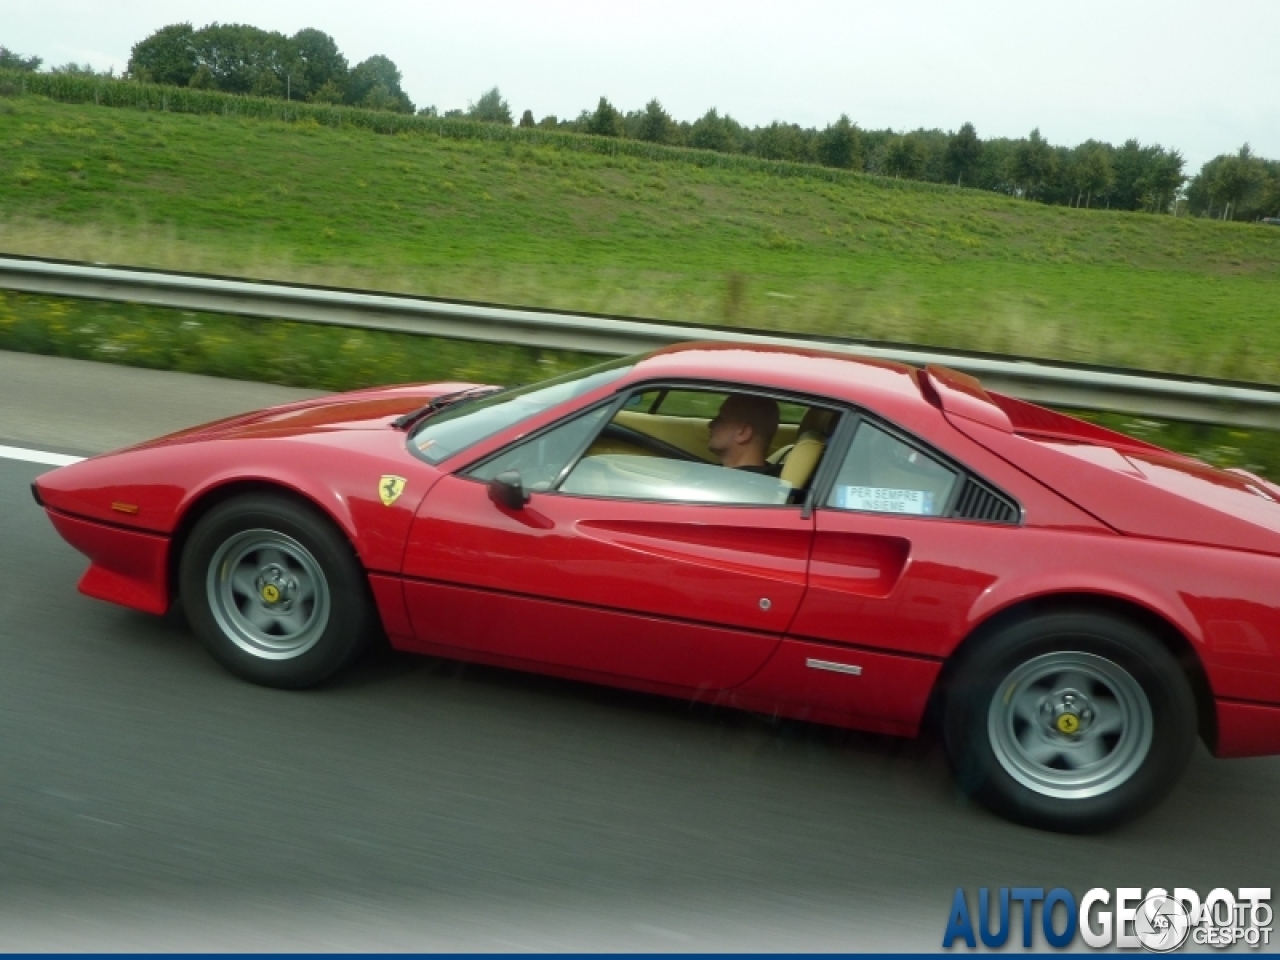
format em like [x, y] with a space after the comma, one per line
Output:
[801, 533]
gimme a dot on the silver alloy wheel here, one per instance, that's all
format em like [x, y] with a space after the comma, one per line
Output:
[268, 594]
[1070, 725]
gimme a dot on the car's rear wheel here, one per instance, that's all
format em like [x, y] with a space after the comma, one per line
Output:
[1070, 721]
[274, 591]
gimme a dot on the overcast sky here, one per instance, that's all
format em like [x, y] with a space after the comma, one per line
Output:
[1199, 75]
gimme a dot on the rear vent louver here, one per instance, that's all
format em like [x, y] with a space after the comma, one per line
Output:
[979, 502]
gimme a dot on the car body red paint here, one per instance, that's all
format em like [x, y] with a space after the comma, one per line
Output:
[734, 604]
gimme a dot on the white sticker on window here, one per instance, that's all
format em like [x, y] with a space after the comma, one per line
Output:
[885, 500]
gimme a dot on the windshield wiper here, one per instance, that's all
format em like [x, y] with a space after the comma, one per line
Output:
[411, 419]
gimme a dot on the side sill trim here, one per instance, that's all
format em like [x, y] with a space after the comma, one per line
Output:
[833, 666]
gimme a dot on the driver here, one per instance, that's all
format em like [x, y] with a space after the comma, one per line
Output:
[742, 431]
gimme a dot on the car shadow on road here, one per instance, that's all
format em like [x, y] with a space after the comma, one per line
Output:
[385, 666]
[912, 769]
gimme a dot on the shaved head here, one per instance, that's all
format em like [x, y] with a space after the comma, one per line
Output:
[743, 430]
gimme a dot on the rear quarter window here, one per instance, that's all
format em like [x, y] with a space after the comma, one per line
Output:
[883, 474]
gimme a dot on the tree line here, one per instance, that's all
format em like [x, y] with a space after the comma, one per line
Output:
[308, 66]
[1132, 176]
[237, 58]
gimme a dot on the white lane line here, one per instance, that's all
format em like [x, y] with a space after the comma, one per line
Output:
[37, 456]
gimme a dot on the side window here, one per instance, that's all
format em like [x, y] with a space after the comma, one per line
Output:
[704, 404]
[882, 474]
[543, 458]
[693, 446]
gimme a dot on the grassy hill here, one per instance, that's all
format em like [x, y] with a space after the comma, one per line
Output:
[518, 222]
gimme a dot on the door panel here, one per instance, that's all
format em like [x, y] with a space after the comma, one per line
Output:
[825, 683]
[857, 562]
[866, 590]
[592, 643]
[890, 570]
[652, 570]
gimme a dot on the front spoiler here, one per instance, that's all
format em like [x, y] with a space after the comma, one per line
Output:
[127, 567]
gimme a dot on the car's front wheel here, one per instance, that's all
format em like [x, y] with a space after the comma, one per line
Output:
[274, 591]
[1071, 721]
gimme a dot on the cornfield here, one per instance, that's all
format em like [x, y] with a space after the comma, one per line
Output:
[128, 94]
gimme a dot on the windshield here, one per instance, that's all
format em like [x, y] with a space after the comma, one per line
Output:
[457, 427]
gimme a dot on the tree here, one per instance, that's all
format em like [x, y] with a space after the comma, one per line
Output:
[73, 69]
[1163, 178]
[490, 108]
[319, 62]
[1032, 163]
[16, 61]
[1237, 177]
[785, 141]
[840, 144]
[327, 92]
[714, 132]
[655, 125]
[903, 156]
[364, 81]
[1130, 161]
[267, 84]
[964, 151]
[166, 56]
[1200, 195]
[242, 58]
[1092, 173]
[239, 58]
[202, 79]
[1271, 195]
[605, 121]
[381, 98]
[526, 119]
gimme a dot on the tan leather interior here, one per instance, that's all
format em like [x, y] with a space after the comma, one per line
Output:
[785, 437]
[817, 420]
[799, 463]
[797, 447]
[688, 433]
[605, 446]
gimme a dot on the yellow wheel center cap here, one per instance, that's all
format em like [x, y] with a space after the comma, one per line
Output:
[271, 594]
[1068, 723]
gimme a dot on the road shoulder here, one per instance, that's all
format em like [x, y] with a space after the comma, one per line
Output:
[82, 407]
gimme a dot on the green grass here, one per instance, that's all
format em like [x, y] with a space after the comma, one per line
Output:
[551, 224]
[1257, 451]
[273, 351]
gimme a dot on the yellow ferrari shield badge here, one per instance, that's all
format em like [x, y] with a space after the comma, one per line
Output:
[390, 488]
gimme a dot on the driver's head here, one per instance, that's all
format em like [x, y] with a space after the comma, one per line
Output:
[743, 429]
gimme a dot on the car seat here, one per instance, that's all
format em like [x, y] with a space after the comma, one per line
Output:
[800, 462]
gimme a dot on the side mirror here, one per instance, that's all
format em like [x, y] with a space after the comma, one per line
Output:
[507, 490]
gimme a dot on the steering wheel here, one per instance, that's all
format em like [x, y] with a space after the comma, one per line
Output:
[616, 431]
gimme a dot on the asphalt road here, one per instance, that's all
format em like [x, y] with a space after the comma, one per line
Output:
[149, 800]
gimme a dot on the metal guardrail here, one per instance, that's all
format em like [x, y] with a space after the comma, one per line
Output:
[1056, 384]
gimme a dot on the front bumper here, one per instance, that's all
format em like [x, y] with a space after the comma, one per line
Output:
[127, 567]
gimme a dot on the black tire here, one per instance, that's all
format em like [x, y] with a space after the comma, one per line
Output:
[320, 616]
[1042, 771]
